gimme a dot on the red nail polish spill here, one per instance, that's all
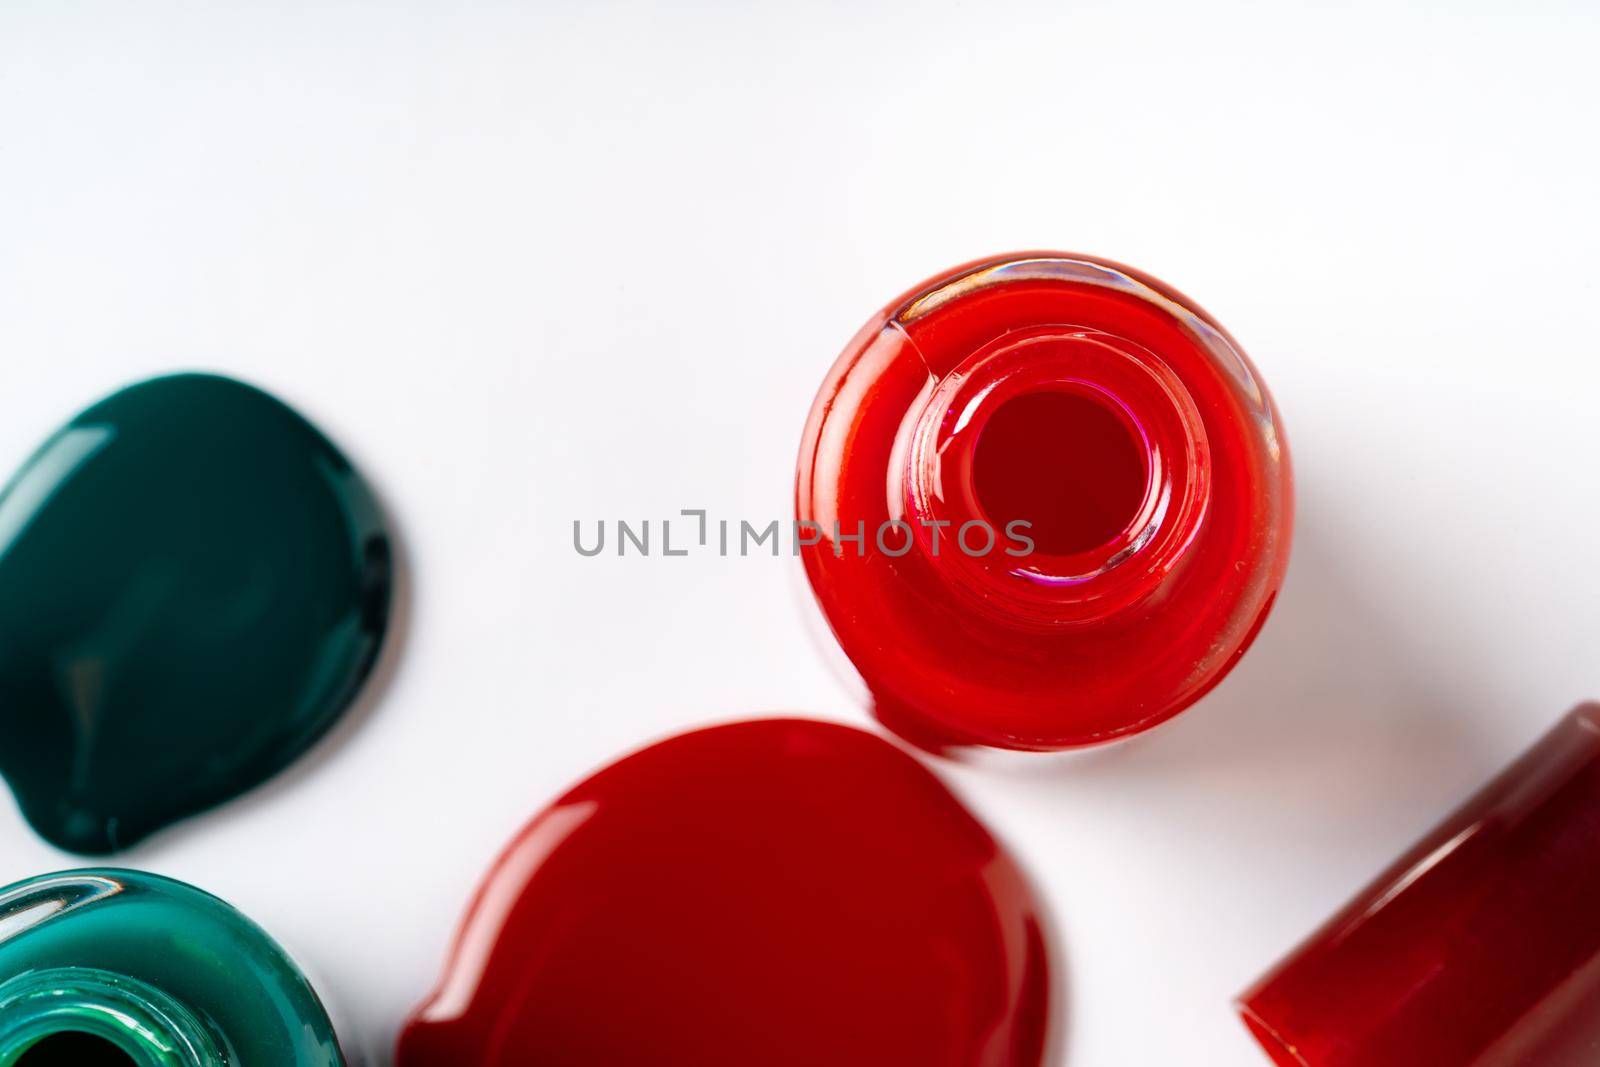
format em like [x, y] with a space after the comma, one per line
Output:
[779, 892]
[1479, 948]
[1098, 413]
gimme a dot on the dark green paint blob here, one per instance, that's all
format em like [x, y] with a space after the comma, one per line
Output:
[193, 585]
[109, 967]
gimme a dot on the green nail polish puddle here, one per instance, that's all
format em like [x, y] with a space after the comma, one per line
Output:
[193, 585]
[108, 968]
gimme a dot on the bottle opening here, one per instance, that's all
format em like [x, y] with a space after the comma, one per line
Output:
[1089, 438]
[74, 1048]
[86, 1017]
[1066, 464]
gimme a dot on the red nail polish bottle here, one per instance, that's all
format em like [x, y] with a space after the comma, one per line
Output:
[779, 892]
[1048, 502]
[1479, 948]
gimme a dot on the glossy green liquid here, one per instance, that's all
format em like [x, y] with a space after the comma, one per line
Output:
[196, 583]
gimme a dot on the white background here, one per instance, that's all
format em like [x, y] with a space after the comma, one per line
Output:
[535, 262]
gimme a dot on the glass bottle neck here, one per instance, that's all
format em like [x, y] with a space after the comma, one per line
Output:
[1057, 476]
[123, 1015]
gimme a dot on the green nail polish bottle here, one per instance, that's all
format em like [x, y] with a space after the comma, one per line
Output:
[112, 968]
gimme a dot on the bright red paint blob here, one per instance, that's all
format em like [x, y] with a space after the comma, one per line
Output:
[1097, 404]
[1479, 948]
[779, 892]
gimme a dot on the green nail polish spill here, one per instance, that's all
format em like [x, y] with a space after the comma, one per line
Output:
[193, 585]
[124, 969]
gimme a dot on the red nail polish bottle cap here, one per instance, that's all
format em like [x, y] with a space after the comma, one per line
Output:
[1479, 948]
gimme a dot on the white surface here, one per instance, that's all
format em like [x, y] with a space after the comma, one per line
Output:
[535, 262]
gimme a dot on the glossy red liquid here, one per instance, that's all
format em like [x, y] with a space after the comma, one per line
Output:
[779, 892]
[1109, 412]
[1479, 947]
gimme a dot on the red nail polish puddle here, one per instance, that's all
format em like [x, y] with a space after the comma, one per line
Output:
[774, 892]
[1479, 948]
[1124, 429]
